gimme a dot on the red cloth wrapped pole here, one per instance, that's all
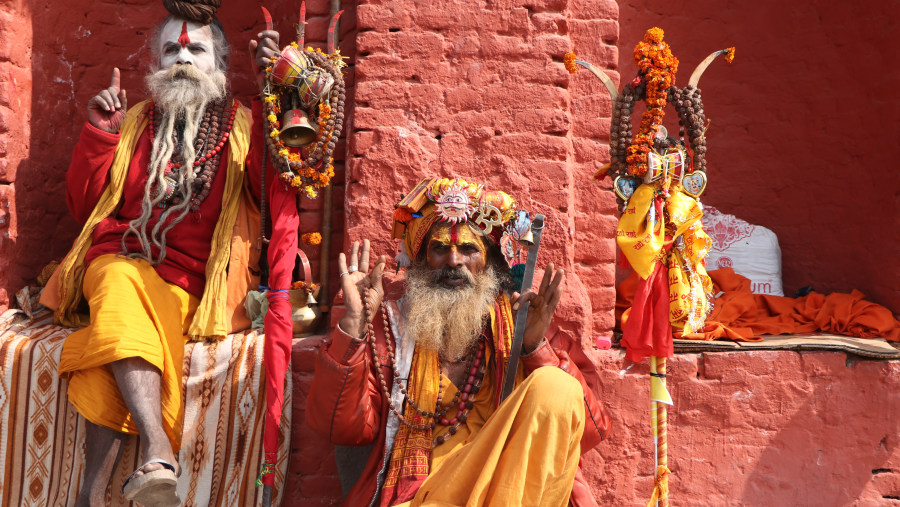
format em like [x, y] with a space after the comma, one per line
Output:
[647, 331]
[278, 325]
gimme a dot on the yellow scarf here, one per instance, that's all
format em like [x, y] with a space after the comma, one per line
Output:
[642, 236]
[211, 320]
[411, 456]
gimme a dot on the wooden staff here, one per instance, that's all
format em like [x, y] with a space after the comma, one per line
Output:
[328, 192]
[662, 444]
[658, 414]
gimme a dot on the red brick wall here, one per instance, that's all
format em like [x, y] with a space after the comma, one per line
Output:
[15, 129]
[804, 129]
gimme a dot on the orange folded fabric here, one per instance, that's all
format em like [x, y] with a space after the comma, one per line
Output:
[740, 315]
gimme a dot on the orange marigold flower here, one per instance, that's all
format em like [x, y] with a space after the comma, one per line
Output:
[312, 238]
[305, 286]
[657, 69]
[729, 55]
[403, 215]
[654, 35]
[569, 62]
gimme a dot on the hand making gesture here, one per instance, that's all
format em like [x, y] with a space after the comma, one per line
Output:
[543, 306]
[106, 110]
[355, 279]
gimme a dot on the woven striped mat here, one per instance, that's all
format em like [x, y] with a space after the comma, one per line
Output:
[42, 436]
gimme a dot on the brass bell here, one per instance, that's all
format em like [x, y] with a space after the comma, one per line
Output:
[527, 239]
[296, 130]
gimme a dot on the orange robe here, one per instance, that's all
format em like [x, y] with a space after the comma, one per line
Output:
[135, 313]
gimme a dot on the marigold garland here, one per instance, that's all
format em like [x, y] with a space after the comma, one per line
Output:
[657, 67]
[314, 172]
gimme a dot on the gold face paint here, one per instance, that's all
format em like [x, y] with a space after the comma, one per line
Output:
[455, 235]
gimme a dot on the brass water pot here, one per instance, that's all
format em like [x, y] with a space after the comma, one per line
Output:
[305, 313]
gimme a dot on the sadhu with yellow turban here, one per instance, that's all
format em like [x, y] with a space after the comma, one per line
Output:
[420, 377]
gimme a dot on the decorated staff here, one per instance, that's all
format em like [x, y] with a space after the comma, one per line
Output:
[658, 180]
[298, 84]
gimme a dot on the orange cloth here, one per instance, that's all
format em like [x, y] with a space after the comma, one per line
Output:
[413, 456]
[526, 454]
[738, 314]
[134, 313]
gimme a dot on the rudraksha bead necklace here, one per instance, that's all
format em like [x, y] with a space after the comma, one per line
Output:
[465, 397]
[206, 165]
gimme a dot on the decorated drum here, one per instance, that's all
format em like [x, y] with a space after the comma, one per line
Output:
[314, 85]
[291, 66]
[665, 165]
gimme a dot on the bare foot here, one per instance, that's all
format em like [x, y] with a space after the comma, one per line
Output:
[157, 450]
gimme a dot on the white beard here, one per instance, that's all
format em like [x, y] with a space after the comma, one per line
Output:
[448, 320]
[181, 94]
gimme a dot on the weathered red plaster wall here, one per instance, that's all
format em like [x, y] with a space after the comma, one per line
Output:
[804, 128]
[15, 127]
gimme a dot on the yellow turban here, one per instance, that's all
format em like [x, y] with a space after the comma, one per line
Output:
[448, 200]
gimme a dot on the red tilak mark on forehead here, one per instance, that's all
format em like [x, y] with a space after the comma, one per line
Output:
[454, 234]
[183, 39]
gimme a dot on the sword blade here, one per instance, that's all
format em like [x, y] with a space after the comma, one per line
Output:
[537, 228]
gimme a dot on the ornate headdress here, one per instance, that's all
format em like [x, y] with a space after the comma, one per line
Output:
[455, 201]
[301, 81]
[198, 11]
[652, 155]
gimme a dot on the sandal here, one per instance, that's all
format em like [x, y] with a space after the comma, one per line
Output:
[153, 489]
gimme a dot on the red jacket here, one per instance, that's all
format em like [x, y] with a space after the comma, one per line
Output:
[346, 403]
[188, 243]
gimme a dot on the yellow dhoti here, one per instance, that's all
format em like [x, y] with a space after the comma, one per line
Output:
[526, 453]
[134, 313]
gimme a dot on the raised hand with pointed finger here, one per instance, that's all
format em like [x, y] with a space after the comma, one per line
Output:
[106, 110]
[355, 280]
